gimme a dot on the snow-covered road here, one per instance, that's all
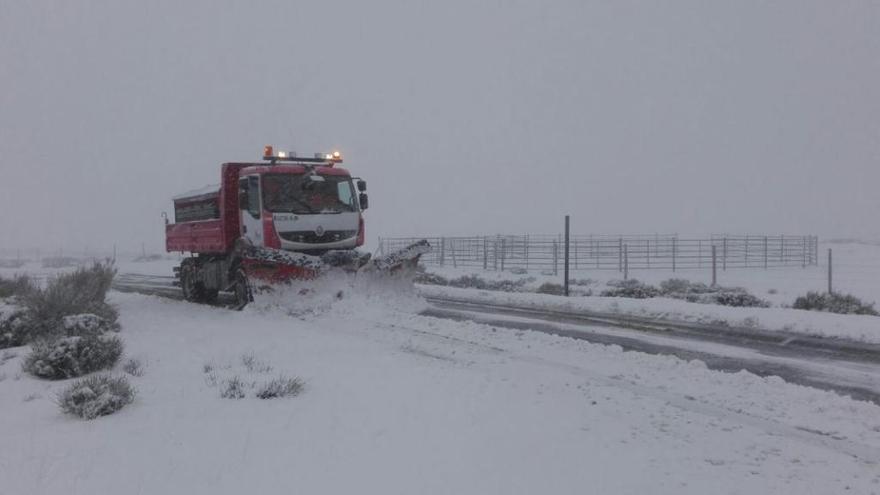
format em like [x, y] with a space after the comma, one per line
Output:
[852, 373]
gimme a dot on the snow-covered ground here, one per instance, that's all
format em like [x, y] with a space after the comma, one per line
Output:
[856, 271]
[395, 402]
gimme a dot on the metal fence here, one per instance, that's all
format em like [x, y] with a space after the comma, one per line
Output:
[607, 252]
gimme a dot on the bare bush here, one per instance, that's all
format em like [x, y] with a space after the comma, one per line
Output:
[699, 292]
[834, 303]
[17, 286]
[551, 288]
[133, 367]
[738, 297]
[252, 364]
[233, 388]
[14, 330]
[96, 396]
[79, 292]
[631, 288]
[280, 387]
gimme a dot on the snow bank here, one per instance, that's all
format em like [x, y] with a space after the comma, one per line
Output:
[853, 327]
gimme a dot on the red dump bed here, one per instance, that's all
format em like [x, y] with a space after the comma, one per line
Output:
[206, 220]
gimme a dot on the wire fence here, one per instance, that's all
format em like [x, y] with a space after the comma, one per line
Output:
[607, 252]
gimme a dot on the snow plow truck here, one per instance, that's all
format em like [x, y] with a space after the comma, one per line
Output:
[271, 222]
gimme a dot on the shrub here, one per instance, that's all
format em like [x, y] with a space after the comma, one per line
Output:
[14, 330]
[510, 285]
[680, 287]
[133, 367]
[834, 303]
[85, 324]
[551, 288]
[280, 387]
[233, 388]
[430, 279]
[252, 364]
[79, 292]
[69, 357]
[630, 288]
[698, 292]
[95, 396]
[17, 286]
[469, 282]
[738, 297]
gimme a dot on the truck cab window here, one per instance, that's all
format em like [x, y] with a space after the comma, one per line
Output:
[345, 194]
[249, 195]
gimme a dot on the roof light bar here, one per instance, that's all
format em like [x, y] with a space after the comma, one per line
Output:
[270, 154]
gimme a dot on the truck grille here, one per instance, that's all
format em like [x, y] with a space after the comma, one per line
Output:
[309, 237]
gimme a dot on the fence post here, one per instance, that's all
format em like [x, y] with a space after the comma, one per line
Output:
[503, 254]
[724, 255]
[442, 250]
[452, 249]
[495, 254]
[566, 254]
[625, 262]
[747, 251]
[620, 254]
[782, 258]
[699, 253]
[765, 252]
[804, 253]
[674, 251]
[648, 253]
[485, 253]
[714, 267]
[829, 271]
[555, 258]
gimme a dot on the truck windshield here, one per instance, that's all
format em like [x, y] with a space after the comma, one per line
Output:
[300, 194]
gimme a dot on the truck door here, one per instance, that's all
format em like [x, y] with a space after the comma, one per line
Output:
[250, 207]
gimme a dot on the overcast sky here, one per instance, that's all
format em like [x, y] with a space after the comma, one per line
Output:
[464, 117]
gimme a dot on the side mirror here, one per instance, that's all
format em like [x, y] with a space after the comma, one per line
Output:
[362, 185]
[364, 201]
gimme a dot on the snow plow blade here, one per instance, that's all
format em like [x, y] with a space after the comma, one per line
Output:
[277, 266]
[405, 259]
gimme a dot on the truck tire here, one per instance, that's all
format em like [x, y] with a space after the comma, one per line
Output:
[241, 289]
[193, 289]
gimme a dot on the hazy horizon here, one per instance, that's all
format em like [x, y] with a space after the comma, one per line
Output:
[739, 117]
